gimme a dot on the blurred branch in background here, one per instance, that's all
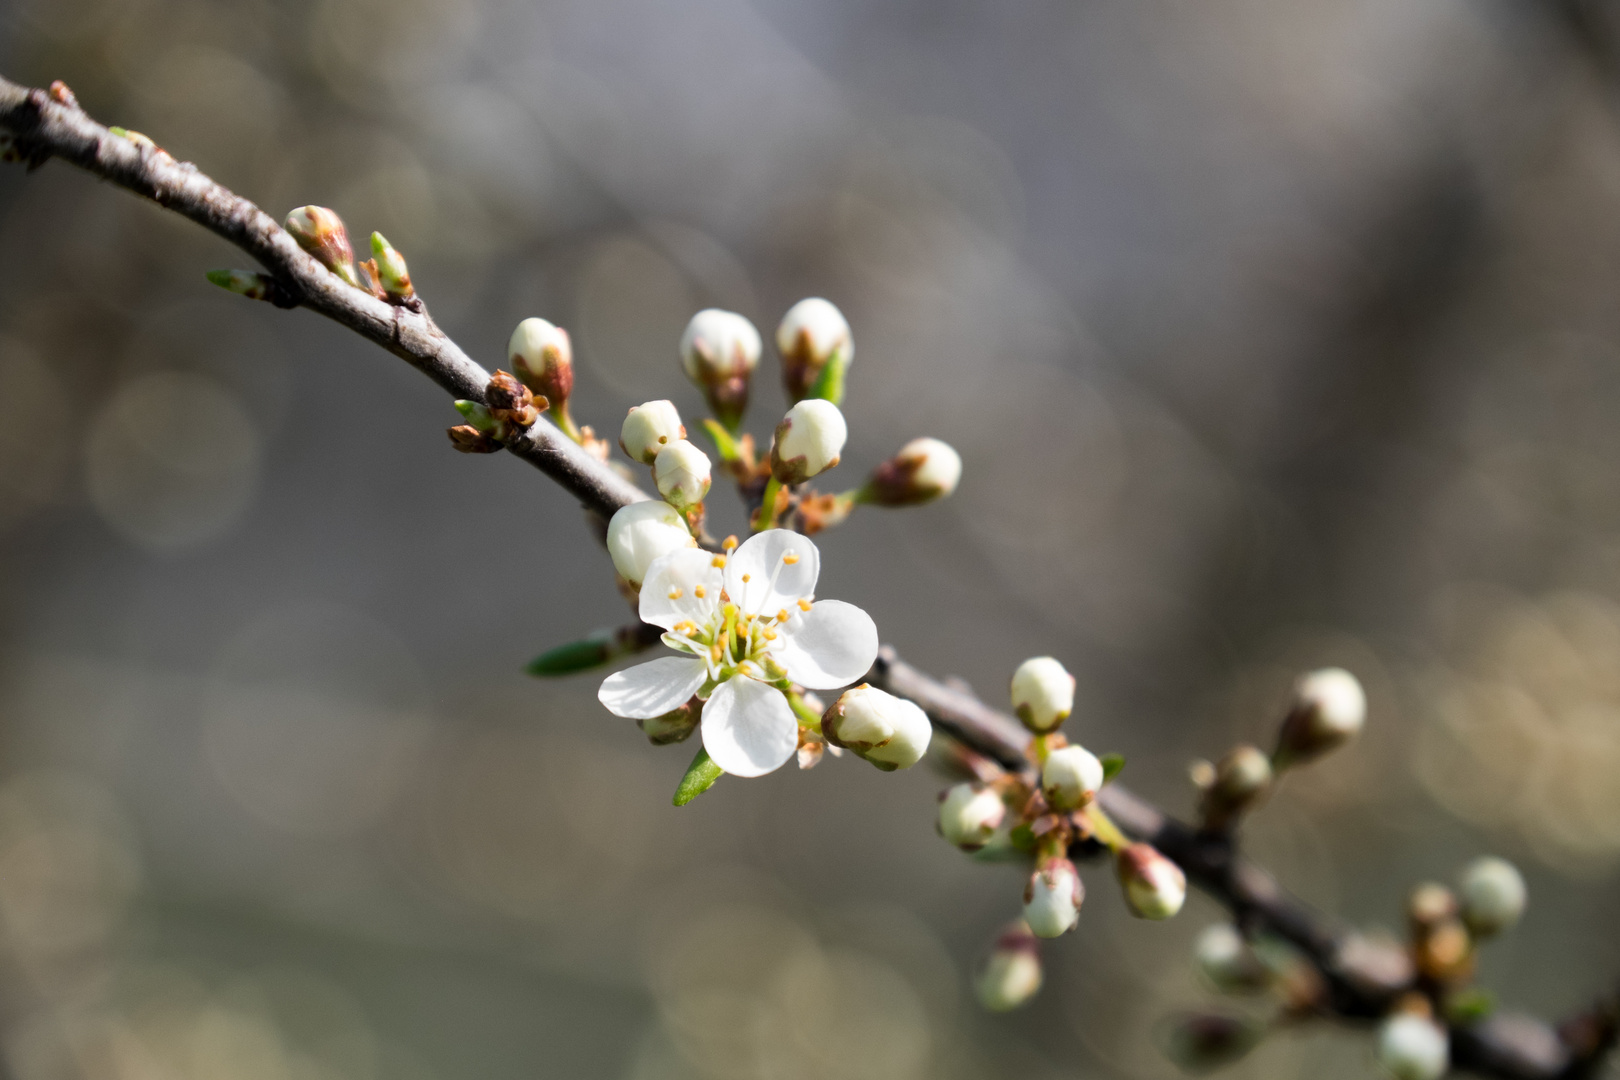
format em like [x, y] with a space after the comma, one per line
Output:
[1359, 979]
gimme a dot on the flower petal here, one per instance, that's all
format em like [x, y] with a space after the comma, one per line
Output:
[748, 728]
[683, 573]
[760, 560]
[829, 646]
[652, 689]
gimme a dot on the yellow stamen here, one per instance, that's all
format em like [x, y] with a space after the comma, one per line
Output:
[730, 543]
[675, 594]
[790, 558]
[719, 561]
[747, 578]
[783, 616]
[804, 605]
[698, 591]
[770, 635]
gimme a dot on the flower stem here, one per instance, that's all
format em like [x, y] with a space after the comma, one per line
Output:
[1104, 829]
[724, 444]
[766, 517]
[565, 421]
[808, 717]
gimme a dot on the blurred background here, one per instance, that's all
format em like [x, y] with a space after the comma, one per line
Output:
[1274, 333]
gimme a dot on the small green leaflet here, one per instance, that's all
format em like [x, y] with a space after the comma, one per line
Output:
[700, 777]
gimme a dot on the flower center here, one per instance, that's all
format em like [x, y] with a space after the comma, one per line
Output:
[739, 638]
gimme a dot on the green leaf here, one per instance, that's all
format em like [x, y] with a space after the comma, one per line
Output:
[1470, 1006]
[1022, 838]
[723, 442]
[1112, 765]
[700, 777]
[567, 659]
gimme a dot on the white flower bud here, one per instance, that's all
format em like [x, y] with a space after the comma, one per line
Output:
[1052, 898]
[1493, 896]
[1155, 887]
[649, 428]
[543, 358]
[1329, 709]
[1070, 778]
[642, 532]
[719, 345]
[1229, 962]
[1042, 694]
[969, 815]
[924, 470]
[682, 473]
[890, 732]
[809, 440]
[1413, 1047]
[1012, 972]
[810, 334]
[1241, 778]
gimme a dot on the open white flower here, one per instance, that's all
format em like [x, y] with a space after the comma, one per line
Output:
[741, 625]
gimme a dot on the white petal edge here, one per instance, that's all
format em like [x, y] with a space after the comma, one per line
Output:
[829, 646]
[748, 728]
[652, 689]
[684, 570]
[758, 558]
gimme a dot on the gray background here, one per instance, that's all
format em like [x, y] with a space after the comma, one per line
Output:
[1274, 334]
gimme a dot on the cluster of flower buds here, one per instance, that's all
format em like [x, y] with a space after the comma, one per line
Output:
[1042, 815]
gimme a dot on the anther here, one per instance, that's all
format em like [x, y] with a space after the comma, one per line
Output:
[730, 542]
[783, 616]
[770, 635]
[675, 594]
[698, 591]
[747, 578]
[790, 558]
[719, 561]
[804, 605]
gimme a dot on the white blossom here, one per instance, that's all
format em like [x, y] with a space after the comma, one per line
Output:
[969, 815]
[640, 534]
[1493, 895]
[1042, 693]
[890, 732]
[740, 626]
[719, 345]
[682, 473]
[1413, 1047]
[649, 428]
[1070, 777]
[1052, 898]
[809, 440]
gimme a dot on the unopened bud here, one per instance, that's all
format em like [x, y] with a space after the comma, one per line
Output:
[649, 428]
[469, 440]
[1240, 779]
[1052, 898]
[1070, 777]
[1441, 947]
[392, 276]
[1042, 694]
[683, 474]
[1328, 711]
[892, 733]
[510, 402]
[719, 351]
[249, 283]
[924, 470]
[673, 727]
[1155, 887]
[1204, 1042]
[1430, 903]
[1412, 1047]
[1011, 974]
[1229, 962]
[809, 440]
[320, 232]
[543, 357]
[1493, 896]
[642, 532]
[816, 349]
[969, 815]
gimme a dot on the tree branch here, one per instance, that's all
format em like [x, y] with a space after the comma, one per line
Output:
[1361, 979]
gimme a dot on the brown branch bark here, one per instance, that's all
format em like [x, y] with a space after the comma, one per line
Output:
[45, 124]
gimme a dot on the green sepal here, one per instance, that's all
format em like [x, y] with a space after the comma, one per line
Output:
[570, 658]
[1022, 837]
[1469, 1006]
[700, 777]
[1113, 765]
[829, 384]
